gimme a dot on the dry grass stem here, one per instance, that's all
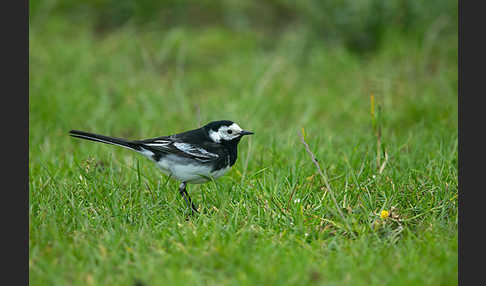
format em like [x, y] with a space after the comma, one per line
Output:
[326, 181]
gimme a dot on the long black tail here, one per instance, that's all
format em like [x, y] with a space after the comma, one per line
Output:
[105, 139]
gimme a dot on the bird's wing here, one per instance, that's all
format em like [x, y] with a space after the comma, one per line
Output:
[170, 145]
[193, 150]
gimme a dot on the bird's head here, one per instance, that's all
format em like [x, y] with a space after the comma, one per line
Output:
[225, 131]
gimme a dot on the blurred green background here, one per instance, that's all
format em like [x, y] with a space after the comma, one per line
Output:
[359, 25]
[141, 69]
[333, 52]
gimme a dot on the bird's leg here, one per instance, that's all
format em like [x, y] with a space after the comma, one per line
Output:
[187, 198]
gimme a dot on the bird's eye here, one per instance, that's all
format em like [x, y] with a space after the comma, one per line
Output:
[230, 131]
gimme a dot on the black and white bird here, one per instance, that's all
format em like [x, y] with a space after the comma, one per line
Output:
[191, 157]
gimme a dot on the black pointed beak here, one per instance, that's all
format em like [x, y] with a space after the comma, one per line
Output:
[244, 132]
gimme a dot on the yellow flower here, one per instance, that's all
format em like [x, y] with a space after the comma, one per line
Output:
[384, 214]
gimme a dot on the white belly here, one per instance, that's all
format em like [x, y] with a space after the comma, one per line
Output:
[185, 171]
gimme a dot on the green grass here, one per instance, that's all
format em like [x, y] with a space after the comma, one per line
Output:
[102, 215]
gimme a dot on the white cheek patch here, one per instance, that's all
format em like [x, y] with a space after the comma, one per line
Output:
[236, 128]
[214, 136]
[223, 134]
[234, 134]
